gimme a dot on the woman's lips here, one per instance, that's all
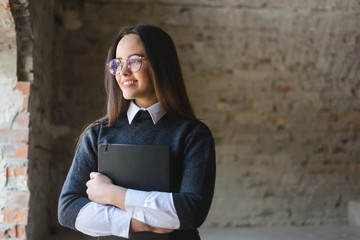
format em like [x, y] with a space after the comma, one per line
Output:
[128, 83]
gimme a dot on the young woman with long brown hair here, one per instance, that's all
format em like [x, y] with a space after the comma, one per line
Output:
[147, 104]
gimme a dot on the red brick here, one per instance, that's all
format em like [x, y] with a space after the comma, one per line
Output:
[24, 87]
[14, 150]
[8, 8]
[18, 199]
[14, 135]
[5, 6]
[20, 232]
[17, 172]
[16, 231]
[21, 171]
[11, 232]
[8, 233]
[22, 152]
[15, 216]
[9, 150]
[285, 89]
[10, 173]
[26, 103]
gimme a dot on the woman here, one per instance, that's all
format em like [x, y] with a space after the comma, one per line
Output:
[143, 74]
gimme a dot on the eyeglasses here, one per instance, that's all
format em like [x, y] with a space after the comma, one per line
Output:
[134, 63]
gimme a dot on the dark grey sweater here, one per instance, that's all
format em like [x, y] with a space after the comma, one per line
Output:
[193, 153]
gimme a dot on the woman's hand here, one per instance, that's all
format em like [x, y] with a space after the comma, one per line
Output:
[137, 226]
[102, 190]
[98, 188]
[161, 230]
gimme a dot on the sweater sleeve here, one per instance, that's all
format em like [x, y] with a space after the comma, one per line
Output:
[193, 201]
[73, 195]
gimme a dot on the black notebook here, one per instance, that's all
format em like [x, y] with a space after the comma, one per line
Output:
[140, 167]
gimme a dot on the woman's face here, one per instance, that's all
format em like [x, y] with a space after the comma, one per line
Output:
[135, 85]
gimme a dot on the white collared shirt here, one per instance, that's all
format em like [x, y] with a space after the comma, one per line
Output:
[156, 111]
[154, 208]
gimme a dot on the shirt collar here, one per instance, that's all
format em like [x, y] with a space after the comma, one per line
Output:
[156, 111]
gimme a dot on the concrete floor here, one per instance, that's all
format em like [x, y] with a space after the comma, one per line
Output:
[283, 233]
[258, 233]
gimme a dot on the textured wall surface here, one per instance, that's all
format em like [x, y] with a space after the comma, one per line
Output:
[44, 181]
[278, 83]
[14, 132]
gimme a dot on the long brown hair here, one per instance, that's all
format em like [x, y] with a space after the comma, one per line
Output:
[165, 72]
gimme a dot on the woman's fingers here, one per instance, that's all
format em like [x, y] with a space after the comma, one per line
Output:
[94, 174]
[137, 226]
[161, 230]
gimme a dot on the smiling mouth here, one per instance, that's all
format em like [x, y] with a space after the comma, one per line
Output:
[128, 83]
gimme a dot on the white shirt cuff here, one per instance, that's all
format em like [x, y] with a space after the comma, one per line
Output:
[120, 223]
[154, 208]
[102, 220]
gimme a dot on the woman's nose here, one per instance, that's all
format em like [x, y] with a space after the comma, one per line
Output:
[125, 71]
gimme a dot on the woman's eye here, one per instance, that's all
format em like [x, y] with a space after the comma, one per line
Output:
[135, 61]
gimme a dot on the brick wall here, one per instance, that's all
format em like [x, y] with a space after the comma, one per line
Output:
[14, 203]
[14, 134]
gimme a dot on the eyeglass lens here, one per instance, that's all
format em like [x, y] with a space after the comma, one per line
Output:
[133, 63]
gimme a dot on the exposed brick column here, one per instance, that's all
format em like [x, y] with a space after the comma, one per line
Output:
[14, 133]
[13, 170]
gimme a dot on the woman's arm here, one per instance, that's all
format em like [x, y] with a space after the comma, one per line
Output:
[73, 195]
[186, 209]
[194, 199]
[103, 191]
[78, 212]
[99, 220]
[103, 220]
